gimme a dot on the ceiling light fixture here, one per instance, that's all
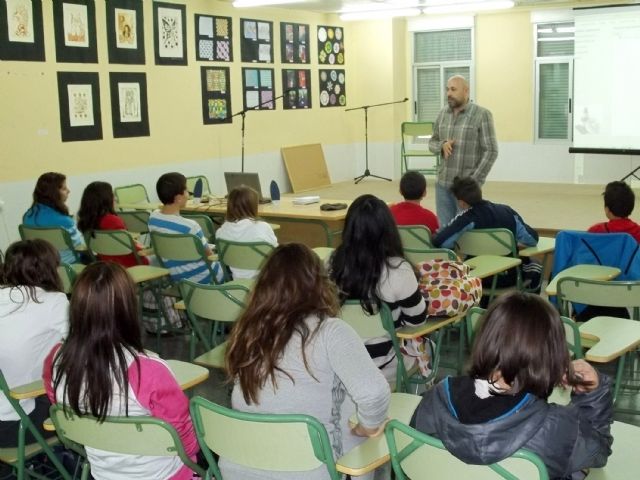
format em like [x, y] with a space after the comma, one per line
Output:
[262, 3]
[380, 14]
[467, 6]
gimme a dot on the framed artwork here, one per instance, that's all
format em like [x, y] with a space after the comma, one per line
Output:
[74, 24]
[216, 95]
[213, 38]
[129, 109]
[330, 45]
[21, 32]
[169, 33]
[125, 31]
[256, 41]
[257, 85]
[296, 85]
[79, 99]
[294, 42]
[333, 88]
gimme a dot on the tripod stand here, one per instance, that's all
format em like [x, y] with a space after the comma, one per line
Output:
[366, 108]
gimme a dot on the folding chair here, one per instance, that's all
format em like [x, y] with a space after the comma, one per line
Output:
[419, 456]
[131, 194]
[56, 236]
[241, 255]
[415, 144]
[143, 435]
[415, 237]
[206, 224]
[276, 443]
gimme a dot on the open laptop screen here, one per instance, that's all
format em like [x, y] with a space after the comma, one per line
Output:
[251, 180]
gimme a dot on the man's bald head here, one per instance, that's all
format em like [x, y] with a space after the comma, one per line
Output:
[457, 92]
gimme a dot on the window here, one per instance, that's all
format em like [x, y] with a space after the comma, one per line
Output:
[438, 55]
[554, 81]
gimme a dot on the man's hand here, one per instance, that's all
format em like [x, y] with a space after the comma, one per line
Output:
[587, 373]
[361, 431]
[447, 148]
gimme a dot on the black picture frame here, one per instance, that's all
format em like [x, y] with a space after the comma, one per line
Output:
[333, 87]
[213, 38]
[258, 90]
[255, 45]
[330, 45]
[170, 38]
[296, 85]
[294, 43]
[74, 25]
[82, 122]
[22, 35]
[216, 95]
[125, 32]
[129, 107]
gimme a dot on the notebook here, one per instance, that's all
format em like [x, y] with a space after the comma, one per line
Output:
[251, 180]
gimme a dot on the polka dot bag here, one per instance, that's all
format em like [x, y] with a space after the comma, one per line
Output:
[448, 287]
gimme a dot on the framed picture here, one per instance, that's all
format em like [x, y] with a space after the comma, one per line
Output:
[294, 42]
[333, 88]
[129, 109]
[257, 85]
[79, 99]
[216, 95]
[296, 85]
[256, 41]
[213, 38]
[21, 33]
[74, 23]
[125, 31]
[169, 33]
[330, 45]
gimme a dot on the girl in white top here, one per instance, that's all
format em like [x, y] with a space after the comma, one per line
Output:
[241, 225]
[33, 318]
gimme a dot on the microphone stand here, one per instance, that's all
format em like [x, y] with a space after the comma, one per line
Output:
[243, 114]
[366, 108]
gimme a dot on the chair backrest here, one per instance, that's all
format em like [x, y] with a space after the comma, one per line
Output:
[143, 435]
[488, 241]
[136, 193]
[472, 319]
[111, 242]
[191, 183]
[56, 236]
[572, 333]
[278, 443]
[624, 294]
[68, 276]
[218, 303]
[183, 247]
[242, 255]
[416, 132]
[420, 255]
[206, 224]
[419, 456]
[136, 221]
[415, 236]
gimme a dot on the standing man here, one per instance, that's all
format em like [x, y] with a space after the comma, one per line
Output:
[464, 136]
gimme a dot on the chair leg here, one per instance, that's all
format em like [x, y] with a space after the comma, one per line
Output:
[618, 380]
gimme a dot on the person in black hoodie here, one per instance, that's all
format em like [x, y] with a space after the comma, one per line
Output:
[518, 358]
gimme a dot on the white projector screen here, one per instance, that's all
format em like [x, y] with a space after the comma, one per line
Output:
[606, 101]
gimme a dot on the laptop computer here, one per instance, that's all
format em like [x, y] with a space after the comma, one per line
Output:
[251, 180]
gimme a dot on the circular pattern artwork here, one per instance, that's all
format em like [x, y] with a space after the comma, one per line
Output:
[333, 92]
[330, 45]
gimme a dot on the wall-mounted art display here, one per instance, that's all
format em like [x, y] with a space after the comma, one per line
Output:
[257, 41]
[294, 42]
[21, 33]
[257, 85]
[79, 99]
[125, 31]
[330, 45]
[129, 110]
[169, 33]
[74, 23]
[213, 38]
[296, 85]
[333, 90]
[216, 95]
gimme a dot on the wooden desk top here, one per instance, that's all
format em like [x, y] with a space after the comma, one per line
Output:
[624, 462]
[588, 272]
[484, 266]
[614, 337]
[545, 245]
[373, 452]
[430, 326]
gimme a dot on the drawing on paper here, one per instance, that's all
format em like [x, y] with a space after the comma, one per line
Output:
[80, 105]
[76, 25]
[129, 97]
[126, 28]
[20, 21]
[170, 20]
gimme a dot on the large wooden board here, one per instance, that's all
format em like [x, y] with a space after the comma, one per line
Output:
[306, 167]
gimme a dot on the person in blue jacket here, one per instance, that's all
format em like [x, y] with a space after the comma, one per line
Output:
[50, 210]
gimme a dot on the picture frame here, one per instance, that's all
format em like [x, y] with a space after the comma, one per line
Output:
[216, 95]
[79, 102]
[21, 30]
[330, 45]
[294, 43]
[256, 40]
[333, 87]
[129, 107]
[125, 31]
[170, 33]
[258, 88]
[74, 24]
[296, 86]
[213, 38]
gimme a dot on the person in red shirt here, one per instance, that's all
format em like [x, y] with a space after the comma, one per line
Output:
[413, 187]
[97, 212]
[619, 201]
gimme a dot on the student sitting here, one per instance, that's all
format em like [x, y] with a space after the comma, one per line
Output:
[103, 370]
[97, 212]
[288, 353]
[413, 187]
[34, 316]
[241, 225]
[172, 192]
[619, 201]
[49, 210]
[519, 356]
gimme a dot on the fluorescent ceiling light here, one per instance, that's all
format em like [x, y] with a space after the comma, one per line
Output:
[435, 3]
[375, 6]
[380, 14]
[468, 6]
[262, 3]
